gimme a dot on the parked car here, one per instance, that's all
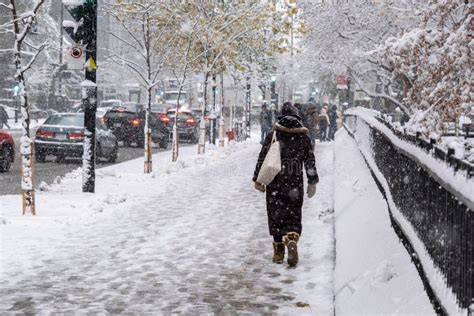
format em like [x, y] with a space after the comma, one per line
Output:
[187, 125]
[128, 126]
[62, 135]
[134, 107]
[7, 151]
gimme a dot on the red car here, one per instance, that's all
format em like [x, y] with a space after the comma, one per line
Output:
[7, 150]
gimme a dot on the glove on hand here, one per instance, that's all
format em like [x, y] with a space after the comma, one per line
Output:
[260, 187]
[311, 190]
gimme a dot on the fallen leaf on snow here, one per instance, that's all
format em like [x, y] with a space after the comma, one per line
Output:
[302, 305]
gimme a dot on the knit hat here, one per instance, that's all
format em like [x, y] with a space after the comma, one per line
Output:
[289, 110]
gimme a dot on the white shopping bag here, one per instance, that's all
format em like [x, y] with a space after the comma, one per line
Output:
[271, 165]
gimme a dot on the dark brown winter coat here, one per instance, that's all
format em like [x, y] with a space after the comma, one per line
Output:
[285, 193]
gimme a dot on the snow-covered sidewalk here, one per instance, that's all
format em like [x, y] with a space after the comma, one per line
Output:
[190, 238]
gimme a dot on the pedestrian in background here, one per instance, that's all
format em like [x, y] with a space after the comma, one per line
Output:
[323, 123]
[312, 125]
[332, 122]
[284, 195]
[265, 122]
[309, 119]
[3, 118]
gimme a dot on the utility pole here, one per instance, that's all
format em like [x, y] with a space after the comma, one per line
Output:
[85, 35]
[60, 83]
[221, 118]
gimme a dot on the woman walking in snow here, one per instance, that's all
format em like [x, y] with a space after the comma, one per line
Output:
[285, 193]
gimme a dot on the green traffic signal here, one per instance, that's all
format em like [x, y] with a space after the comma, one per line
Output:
[16, 90]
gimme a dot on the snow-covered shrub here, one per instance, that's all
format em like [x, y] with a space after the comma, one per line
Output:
[434, 62]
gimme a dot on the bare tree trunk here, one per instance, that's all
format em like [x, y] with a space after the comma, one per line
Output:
[202, 124]
[221, 119]
[175, 141]
[212, 119]
[26, 150]
[175, 153]
[234, 107]
[148, 168]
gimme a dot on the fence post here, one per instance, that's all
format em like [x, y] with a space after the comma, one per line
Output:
[432, 143]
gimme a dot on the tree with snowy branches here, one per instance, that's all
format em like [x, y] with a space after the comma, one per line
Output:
[433, 62]
[143, 30]
[20, 26]
[345, 36]
[231, 27]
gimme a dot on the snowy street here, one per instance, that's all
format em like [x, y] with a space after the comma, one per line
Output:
[283, 157]
[47, 171]
[184, 244]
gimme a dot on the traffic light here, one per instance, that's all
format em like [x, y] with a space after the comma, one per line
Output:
[85, 15]
[273, 84]
[16, 90]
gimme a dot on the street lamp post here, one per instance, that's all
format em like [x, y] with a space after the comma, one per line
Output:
[60, 84]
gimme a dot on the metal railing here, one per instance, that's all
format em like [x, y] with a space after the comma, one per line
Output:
[441, 221]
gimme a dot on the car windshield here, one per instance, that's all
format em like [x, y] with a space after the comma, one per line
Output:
[101, 112]
[158, 108]
[133, 107]
[110, 103]
[197, 113]
[65, 120]
[181, 115]
[119, 113]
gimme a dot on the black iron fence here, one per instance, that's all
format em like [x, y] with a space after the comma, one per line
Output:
[443, 223]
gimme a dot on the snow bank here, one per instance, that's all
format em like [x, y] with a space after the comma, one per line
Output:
[373, 273]
[434, 275]
[455, 182]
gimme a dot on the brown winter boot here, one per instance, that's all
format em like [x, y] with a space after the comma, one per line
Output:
[278, 252]
[290, 240]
